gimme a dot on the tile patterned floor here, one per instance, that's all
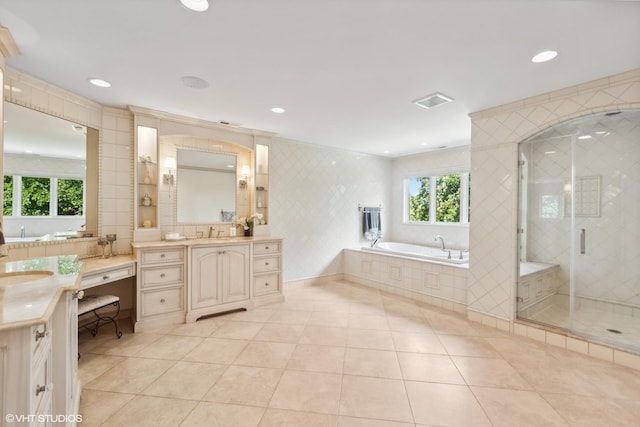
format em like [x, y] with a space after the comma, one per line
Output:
[338, 354]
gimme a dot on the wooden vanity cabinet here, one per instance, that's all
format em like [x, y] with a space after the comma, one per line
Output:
[160, 296]
[219, 279]
[34, 359]
[267, 267]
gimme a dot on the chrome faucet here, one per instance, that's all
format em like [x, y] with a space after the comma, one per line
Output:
[439, 237]
[211, 229]
[375, 241]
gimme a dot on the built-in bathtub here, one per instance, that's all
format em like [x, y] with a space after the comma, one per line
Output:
[449, 256]
[421, 273]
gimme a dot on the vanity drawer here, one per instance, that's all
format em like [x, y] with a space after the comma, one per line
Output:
[162, 301]
[41, 382]
[155, 276]
[95, 279]
[266, 284]
[40, 339]
[266, 264]
[266, 247]
[162, 255]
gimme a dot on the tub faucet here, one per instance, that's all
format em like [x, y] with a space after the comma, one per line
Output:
[211, 230]
[375, 241]
[439, 237]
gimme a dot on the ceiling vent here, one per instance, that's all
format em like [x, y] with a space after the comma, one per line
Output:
[433, 100]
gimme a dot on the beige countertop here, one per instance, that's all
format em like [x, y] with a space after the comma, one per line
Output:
[32, 302]
[97, 264]
[204, 241]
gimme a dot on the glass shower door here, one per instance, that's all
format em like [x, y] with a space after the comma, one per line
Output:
[605, 215]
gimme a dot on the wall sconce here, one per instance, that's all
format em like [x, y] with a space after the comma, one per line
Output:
[169, 163]
[244, 176]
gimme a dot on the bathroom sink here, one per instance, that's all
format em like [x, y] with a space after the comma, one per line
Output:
[17, 277]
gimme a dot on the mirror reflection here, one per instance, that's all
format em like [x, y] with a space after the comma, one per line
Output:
[205, 187]
[50, 177]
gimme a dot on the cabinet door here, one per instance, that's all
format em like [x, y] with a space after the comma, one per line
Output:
[205, 276]
[235, 273]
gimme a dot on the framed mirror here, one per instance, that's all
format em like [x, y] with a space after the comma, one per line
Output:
[205, 186]
[50, 177]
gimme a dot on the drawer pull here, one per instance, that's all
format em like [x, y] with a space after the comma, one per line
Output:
[162, 301]
[40, 389]
[105, 277]
[161, 255]
[266, 248]
[266, 283]
[40, 335]
[163, 275]
[266, 263]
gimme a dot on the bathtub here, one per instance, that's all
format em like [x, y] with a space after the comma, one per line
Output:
[422, 252]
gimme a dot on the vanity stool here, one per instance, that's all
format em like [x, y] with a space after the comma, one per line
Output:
[93, 303]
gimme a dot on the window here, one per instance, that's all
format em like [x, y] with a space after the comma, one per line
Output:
[38, 196]
[438, 198]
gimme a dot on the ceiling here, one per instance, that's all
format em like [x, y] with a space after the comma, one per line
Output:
[345, 71]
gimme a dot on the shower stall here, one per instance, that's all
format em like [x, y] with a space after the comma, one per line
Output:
[579, 228]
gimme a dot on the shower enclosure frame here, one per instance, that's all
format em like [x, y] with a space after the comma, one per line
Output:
[583, 216]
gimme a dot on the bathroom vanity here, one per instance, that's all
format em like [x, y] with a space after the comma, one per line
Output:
[182, 281]
[38, 341]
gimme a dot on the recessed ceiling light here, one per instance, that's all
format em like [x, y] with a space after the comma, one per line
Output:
[230, 166]
[545, 56]
[196, 5]
[386, 151]
[99, 82]
[433, 100]
[194, 82]
[584, 137]
[278, 110]
[549, 152]
[423, 144]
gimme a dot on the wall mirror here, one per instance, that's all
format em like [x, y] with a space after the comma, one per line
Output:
[205, 186]
[50, 177]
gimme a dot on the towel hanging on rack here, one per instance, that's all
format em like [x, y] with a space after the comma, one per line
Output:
[371, 223]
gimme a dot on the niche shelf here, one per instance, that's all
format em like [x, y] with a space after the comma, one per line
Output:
[146, 178]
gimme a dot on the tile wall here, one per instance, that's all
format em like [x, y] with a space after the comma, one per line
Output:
[314, 196]
[495, 134]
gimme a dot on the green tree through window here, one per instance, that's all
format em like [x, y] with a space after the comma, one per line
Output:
[7, 201]
[70, 197]
[419, 201]
[448, 198]
[35, 196]
[451, 200]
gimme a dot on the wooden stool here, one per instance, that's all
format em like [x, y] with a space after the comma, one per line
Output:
[93, 303]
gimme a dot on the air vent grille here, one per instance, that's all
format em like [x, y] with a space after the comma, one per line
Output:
[433, 100]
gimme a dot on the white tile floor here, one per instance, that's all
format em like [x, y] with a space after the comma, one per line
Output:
[594, 323]
[342, 355]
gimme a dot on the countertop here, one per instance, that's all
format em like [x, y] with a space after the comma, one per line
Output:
[204, 241]
[33, 302]
[97, 264]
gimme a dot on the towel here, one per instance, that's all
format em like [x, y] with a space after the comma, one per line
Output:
[371, 224]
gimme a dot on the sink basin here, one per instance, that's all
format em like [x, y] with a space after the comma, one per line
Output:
[18, 277]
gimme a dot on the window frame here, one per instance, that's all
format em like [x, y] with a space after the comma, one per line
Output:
[433, 179]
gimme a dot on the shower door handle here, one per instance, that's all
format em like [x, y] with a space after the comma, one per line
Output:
[583, 240]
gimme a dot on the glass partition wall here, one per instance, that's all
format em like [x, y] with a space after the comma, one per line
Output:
[579, 228]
